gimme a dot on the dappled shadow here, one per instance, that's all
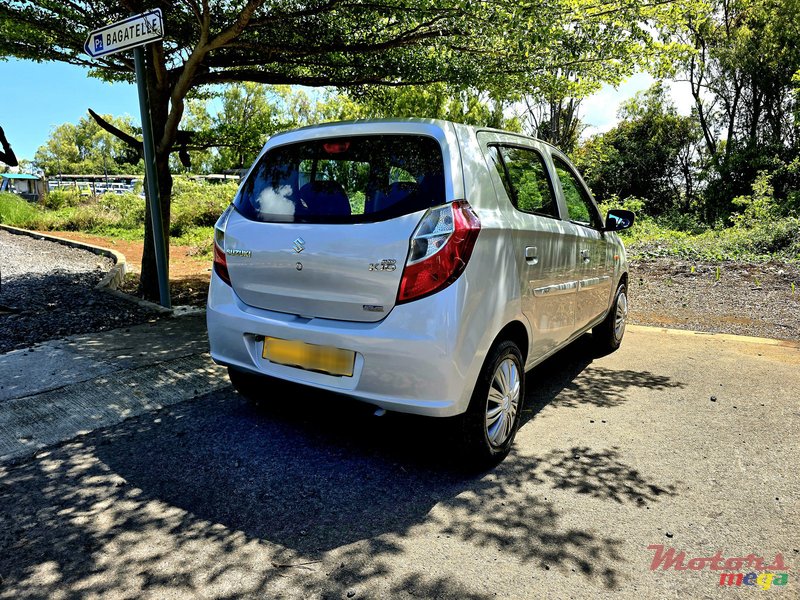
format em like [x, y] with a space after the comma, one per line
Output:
[568, 379]
[603, 387]
[313, 500]
[83, 357]
[600, 474]
[311, 496]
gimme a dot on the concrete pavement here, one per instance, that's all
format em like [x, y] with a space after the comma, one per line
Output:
[56, 390]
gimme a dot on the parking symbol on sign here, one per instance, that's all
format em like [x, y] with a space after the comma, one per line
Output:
[98, 42]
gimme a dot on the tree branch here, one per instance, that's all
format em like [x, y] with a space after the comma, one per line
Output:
[255, 76]
[118, 133]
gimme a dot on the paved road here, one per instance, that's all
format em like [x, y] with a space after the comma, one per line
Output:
[315, 498]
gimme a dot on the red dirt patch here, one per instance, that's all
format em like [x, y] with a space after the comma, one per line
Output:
[182, 262]
[188, 275]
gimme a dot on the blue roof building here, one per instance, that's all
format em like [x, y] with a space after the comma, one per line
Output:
[26, 185]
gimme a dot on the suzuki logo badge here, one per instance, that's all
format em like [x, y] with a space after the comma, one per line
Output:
[299, 245]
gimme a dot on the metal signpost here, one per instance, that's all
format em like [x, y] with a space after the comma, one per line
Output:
[134, 32]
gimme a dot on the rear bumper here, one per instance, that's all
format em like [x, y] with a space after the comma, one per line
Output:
[406, 362]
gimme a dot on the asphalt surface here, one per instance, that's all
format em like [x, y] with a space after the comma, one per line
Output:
[687, 441]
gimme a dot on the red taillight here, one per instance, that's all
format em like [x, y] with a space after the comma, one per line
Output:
[336, 147]
[221, 265]
[440, 249]
[220, 261]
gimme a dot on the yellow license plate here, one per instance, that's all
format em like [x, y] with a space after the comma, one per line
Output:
[311, 357]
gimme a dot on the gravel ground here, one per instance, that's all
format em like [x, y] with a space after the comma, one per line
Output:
[754, 299]
[47, 292]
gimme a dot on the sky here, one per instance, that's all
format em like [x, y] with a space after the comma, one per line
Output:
[37, 97]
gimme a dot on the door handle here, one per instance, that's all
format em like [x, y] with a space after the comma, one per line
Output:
[531, 255]
[586, 255]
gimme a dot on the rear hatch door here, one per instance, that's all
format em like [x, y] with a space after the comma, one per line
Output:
[322, 227]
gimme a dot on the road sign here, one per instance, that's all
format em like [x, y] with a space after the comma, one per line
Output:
[124, 35]
[134, 32]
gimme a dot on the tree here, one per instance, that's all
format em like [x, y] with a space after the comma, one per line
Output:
[742, 75]
[247, 114]
[647, 155]
[502, 46]
[244, 123]
[84, 148]
[436, 101]
[197, 120]
[551, 112]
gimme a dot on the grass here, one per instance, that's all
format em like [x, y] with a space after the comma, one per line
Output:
[195, 208]
[15, 211]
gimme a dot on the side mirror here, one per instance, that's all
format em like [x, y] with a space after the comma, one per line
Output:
[619, 219]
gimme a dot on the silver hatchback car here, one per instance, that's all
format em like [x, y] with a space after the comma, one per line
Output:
[420, 266]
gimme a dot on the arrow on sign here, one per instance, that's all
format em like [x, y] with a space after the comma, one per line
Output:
[133, 31]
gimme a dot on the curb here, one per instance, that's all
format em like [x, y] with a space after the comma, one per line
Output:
[729, 337]
[111, 280]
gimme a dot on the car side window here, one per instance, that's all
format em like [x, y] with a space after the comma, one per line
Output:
[579, 205]
[525, 178]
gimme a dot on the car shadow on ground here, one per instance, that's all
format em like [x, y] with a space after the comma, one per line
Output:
[178, 498]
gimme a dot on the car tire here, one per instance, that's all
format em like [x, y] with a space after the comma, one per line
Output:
[608, 335]
[492, 419]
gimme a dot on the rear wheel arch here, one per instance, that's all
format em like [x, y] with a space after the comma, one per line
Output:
[516, 332]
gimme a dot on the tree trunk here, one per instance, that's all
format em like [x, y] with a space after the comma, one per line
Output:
[148, 280]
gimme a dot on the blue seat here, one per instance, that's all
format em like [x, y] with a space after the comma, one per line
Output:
[324, 198]
[397, 192]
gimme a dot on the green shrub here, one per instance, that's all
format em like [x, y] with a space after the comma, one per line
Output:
[90, 218]
[130, 209]
[59, 198]
[631, 203]
[760, 206]
[776, 236]
[198, 204]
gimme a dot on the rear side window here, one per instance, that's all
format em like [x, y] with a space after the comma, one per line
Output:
[345, 180]
[526, 181]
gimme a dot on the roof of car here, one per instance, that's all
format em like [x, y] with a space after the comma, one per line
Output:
[437, 122]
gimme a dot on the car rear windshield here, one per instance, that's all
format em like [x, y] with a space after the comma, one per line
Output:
[344, 180]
